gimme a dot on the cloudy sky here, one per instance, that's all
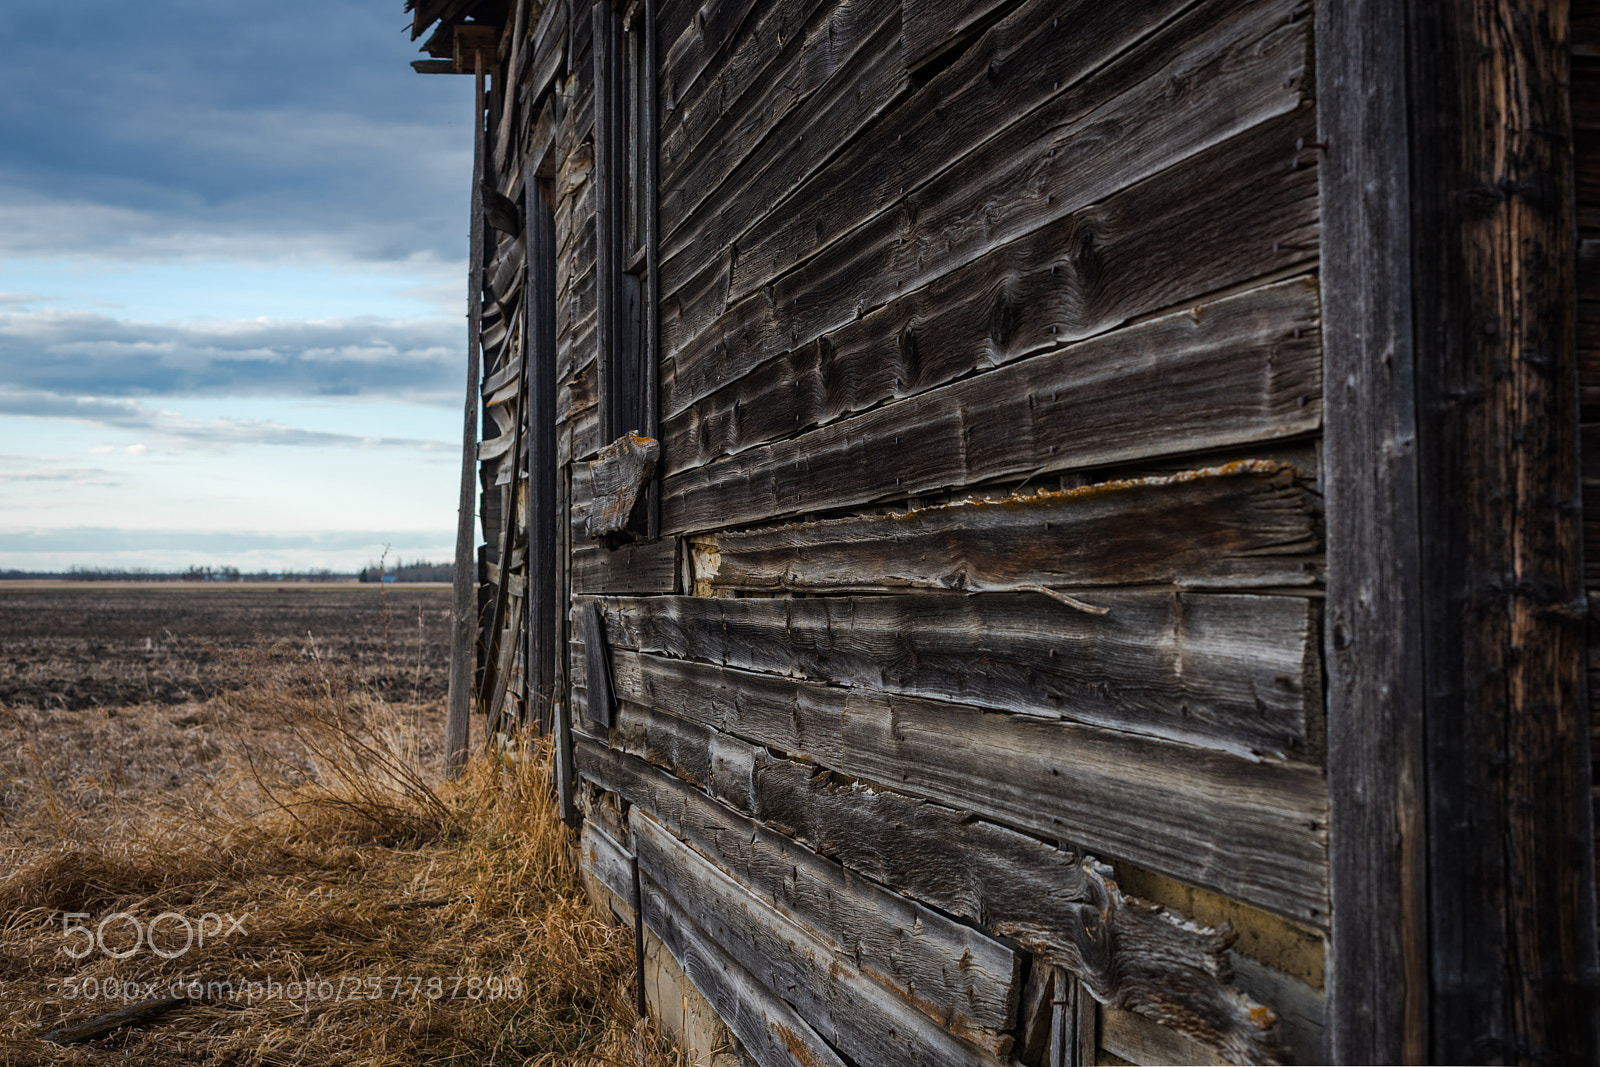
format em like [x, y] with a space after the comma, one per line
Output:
[232, 260]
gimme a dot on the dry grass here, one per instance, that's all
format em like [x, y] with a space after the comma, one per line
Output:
[345, 862]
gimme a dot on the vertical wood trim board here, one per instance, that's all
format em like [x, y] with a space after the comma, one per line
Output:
[464, 632]
[541, 374]
[1373, 632]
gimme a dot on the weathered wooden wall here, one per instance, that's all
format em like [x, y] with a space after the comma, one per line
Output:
[969, 706]
[958, 690]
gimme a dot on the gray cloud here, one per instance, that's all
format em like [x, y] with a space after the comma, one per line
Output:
[177, 128]
[71, 352]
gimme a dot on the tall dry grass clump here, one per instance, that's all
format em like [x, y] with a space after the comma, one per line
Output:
[445, 917]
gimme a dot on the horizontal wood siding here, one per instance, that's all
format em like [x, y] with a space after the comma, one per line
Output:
[768, 1028]
[1249, 524]
[956, 975]
[1230, 672]
[991, 554]
[1241, 370]
[1253, 830]
[851, 1011]
[1057, 904]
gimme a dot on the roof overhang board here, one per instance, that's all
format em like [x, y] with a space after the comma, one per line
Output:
[454, 42]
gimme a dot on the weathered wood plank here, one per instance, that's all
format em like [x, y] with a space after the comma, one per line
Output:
[1255, 831]
[1377, 980]
[99, 1026]
[1136, 1039]
[1511, 875]
[767, 1028]
[694, 33]
[1017, 301]
[958, 976]
[596, 664]
[1229, 672]
[639, 568]
[543, 605]
[865, 1020]
[933, 26]
[463, 639]
[1241, 207]
[848, 53]
[704, 94]
[1060, 905]
[1248, 524]
[609, 863]
[1241, 370]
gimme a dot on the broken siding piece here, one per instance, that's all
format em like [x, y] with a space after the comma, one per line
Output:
[1228, 672]
[596, 664]
[1057, 904]
[613, 480]
[1246, 524]
[767, 1028]
[958, 976]
[861, 1018]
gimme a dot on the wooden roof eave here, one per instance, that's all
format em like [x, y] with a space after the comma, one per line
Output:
[454, 41]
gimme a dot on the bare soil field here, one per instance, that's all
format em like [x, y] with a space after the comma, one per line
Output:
[79, 645]
[262, 766]
[110, 691]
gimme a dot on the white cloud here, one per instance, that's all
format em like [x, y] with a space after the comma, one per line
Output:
[177, 432]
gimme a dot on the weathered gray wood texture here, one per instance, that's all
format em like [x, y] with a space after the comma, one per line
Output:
[953, 974]
[769, 1030]
[1377, 979]
[614, 480]
[1241, 369]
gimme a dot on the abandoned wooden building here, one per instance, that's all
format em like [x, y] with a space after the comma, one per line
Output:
[1048, 532]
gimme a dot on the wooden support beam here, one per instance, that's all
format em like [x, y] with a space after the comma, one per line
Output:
[1511, 885]
[1460, 833]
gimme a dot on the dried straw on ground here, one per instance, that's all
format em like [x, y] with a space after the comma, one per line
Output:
[346, 864]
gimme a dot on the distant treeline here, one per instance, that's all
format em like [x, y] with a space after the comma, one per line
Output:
[193, 574]
[415, 571]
